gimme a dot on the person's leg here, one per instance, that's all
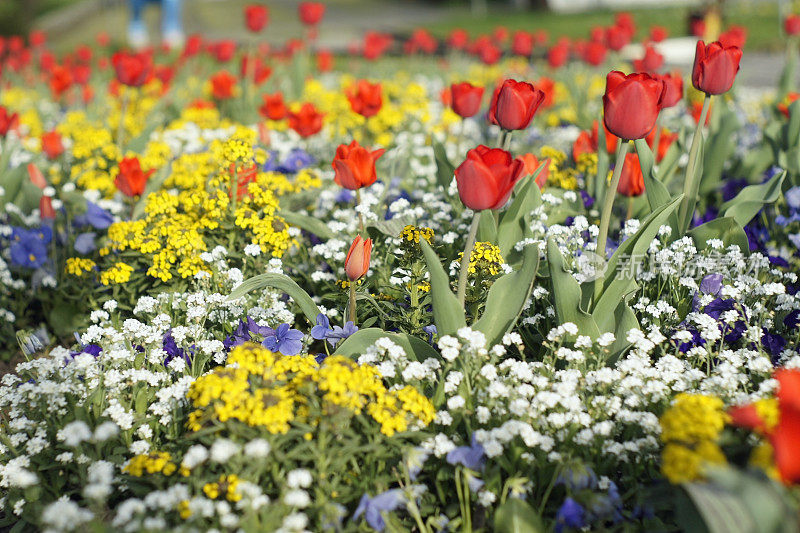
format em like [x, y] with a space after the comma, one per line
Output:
[137, 31]
[172, 22]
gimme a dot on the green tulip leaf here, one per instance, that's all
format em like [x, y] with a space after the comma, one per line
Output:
[448, 315]
[725, 229]
[657, 193]
[357, 344]
[516, 516]
[310, 224]
[511, 228]
[280, 282]
[487, 227]
[567, 294]
[719, 147]
[752, 198]
[507, 297]
[444, 168]
[793, 127]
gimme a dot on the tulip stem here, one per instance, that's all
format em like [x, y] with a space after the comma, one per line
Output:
[691, 184]
[463, 272]
[656, 140]
[353, 302]
[608, 203]
[360, 216]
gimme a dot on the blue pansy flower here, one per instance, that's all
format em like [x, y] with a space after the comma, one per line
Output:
[172, 350]
[372, 508]
[240, 335]
[284, 340]
[297, 159]
[84, 243]
[430, 331]
[95, 216]
[472, 456]
[29, 246]
[577, 477]
[570, 515]
[340, 334]
[320, 331]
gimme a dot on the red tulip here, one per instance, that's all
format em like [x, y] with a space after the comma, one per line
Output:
[36, 176]
[324, 60]
[37, 38]
[651, 61]
[617, 38]
[46, 211]
[132, 70]
[735, 36]
[52, 145]
[583, 145]
[631, 181]
[466, 99]
[311, 13]
[81, 74]
[658, 33]
[354, 166]
[532, 163]
[489, 54]
[625, 21]
[273, 108]
[60, 81]
[500, 34]
[665, 140]
[131, 179]
[365, 98]
[222, 85]
[421, 41]
[548, 87]
[558, 54]
[356, 264]
[487, 177]
[458, 39]
[715, 67]
[783, 107]
[256, 17]
[223, 50]
[674, 89]
[515, 105]
[698, 27]
[696, 110]
[594, 53]
[376, 44]
[522, 43]
[791, 25]
[631, 104]
[307, 121]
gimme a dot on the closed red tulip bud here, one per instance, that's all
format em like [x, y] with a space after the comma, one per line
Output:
[735, 36]
[307, 121]
[46, 211]
[617, 38]
[311, 13]
[273, 108]
[515, 105]
[651, 61]
[132, 70]
[256, 17]
[131, 179]
[658, 33]
[222, 85]
[354, 166]
[324, 60]
[52, 145]
[60, 80]
[356, 264]
[715, 67]
[522, 43]
[783, 107]
[223, 50]
[625, 22]
[673, 92]
[487, 177]
[36, 176]
[791, 25]
[489, 54]
[365, 98]
[558, 54]
[466, 99]
[458, 39]
[631, 104]
[548, 87]
[594, 53]
[631, 181]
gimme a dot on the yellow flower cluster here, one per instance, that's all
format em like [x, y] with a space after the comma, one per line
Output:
[94, 151]
[78, 266]
[152, 463]
[410, 237]
[269, 390]
[587, 163]
[690, 429]
[485, 259]
[225, 487]
[118, 273]
[560, 176]
[133, 106]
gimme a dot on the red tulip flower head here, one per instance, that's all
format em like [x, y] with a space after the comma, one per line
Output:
[46, 211]
[522, 43]
[365, 98]
[356, 264]
[487, 177]
[222, 85]
[651, 61]
[307, 121]
[735, 36]
[273, 108]
[594, 53]
[631, 104]
[131, 179]
[465, 99]
[558, 54]
[791, 25]
[132, 70]
[515, 105]
[354, 166]
[674, 89]
[715, 67]
[658, 33]
[631, 181]
[52, 145]
[311, 13]
[256, 17]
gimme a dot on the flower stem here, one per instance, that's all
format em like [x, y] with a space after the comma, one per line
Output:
[463, 272]
[360, 216]
[353, 302]
[608, 203]
[691, 184]
[656, 140]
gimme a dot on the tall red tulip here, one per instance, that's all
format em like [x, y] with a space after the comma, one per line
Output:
[673, 93]
[52, 145]
[132, 70]
[307, 121]
[354, 166]
[650, 62]
[273, 108]
[222, 85]
[631, 181]
[791, 25]
[522, 43]
[46, 211]
[365, 98]
[658, 33]
[617, 38]
[515, 105]
[356, 264]
[715, 67]
[311, 13]
[594, 53]
[631, 104]
[735, 36]
[458, 39]
[558, 54]
[256, 17]
[487, 177]
[8, 121]
[466, 99]
[131, 179]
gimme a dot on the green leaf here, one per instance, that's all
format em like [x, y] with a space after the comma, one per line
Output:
[310, 224]
[511, 228]
[657, 193]
[719, 147]
[357, 344]
[516, 516]
[752, 198]
[283, 283]
[567, 294]
[448, 315]
[721, 511]
[793, 127]
[11, 182]
[725, 228]
[393, 226]
[507, 297]
[487, 227]
[603, 164]
[444, 169]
